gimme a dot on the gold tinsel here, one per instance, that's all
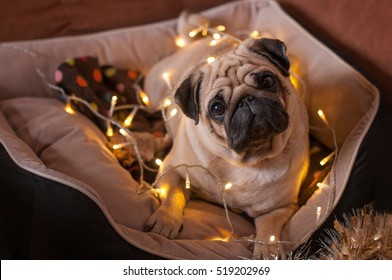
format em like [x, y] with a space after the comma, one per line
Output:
[363, 235]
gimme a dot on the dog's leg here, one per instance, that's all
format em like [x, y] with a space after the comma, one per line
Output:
[268, 229]
[167, 220]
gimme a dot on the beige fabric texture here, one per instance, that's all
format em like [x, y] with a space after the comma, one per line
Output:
[43, 139]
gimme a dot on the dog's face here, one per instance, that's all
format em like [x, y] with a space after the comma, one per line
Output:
[242, 98]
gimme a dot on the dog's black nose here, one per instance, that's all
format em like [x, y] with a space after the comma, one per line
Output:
[254, 104]
[247, 99]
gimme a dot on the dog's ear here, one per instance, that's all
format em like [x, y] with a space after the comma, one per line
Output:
[275, 51]
[187, 97]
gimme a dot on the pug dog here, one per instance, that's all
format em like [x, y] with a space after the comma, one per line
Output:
[243, 121]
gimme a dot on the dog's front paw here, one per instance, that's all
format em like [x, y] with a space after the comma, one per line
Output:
[165, 222]
[268, 251]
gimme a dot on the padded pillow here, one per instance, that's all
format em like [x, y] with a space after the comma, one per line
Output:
[71, 150]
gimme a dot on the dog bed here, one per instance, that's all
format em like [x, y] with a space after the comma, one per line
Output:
[70, 198]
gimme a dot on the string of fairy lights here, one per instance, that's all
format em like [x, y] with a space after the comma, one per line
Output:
[217, 35]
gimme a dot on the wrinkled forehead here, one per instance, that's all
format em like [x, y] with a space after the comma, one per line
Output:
[230, 69]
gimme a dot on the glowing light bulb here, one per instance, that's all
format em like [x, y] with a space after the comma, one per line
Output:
[112, 105]
[228, 186]
[216, 36]
[158, 162]
[128, 120]
[226, 239]
[165, 75]
[221, 28]
[377, 236]
[167, 102]
[322, 116]
[327, 159]
[166, 78]
[321, 113]
[162, 191]
[322, 185]
[144, 98]
[323, 162]
[123, 132]
[109, 131]
[210, 59]
[318, 214]
[116, 146]
[213, 43]
[254, 34]
[68, 108]
[193, 33]
[187, 181]
[130, 117]
[173, 112]
[180, 42]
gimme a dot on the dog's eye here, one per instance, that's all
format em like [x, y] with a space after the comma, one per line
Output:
[267, 81]
[217, 109]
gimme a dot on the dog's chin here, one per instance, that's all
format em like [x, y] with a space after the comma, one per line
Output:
[260, 143]
[254, 152]
[260, 149]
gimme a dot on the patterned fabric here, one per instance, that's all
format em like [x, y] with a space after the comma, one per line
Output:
[83, 77]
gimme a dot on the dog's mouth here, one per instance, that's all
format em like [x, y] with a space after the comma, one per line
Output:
[254, 123]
